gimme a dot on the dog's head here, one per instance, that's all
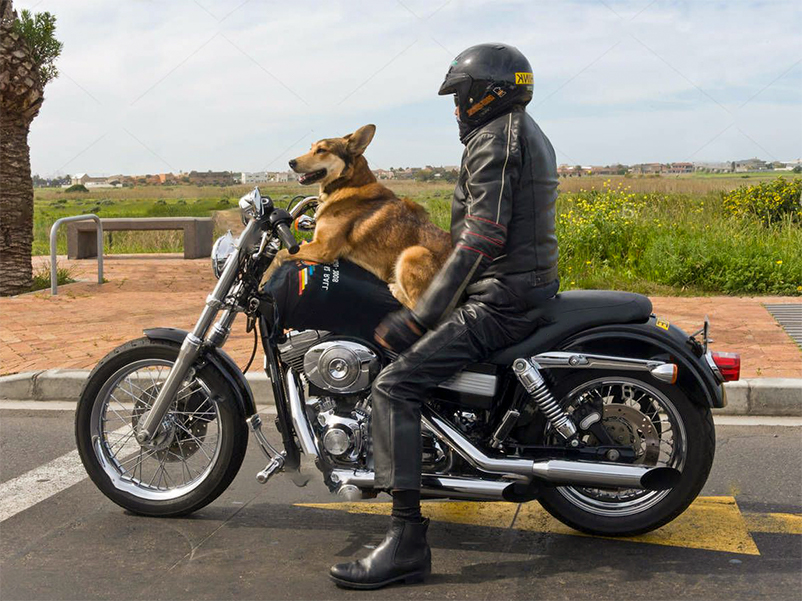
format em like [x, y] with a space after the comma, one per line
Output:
[332, 158]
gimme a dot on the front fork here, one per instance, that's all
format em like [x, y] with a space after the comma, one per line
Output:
[148, 426]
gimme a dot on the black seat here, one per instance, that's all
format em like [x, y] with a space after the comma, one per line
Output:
[574, 311]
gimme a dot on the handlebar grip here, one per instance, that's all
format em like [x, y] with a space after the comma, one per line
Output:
[287, 239]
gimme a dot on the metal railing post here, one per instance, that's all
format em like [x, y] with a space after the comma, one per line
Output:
[54, 231]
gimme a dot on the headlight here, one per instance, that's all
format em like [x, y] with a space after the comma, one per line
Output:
[250, 206]
[221, 250]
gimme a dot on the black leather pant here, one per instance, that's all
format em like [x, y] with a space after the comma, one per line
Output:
[473, 332]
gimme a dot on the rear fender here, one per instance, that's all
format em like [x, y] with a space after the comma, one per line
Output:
[659, 339]
[221, 360]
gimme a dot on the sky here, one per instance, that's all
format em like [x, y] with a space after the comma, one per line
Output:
[151, 86]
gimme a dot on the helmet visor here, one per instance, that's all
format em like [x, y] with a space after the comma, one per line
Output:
[455, 83]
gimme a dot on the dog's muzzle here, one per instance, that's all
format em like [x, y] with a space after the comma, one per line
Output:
[311, 177]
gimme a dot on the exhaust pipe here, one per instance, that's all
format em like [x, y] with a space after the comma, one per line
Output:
[452, 487]
[554, 471]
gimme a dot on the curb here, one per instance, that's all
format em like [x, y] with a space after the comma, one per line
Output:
[66, 384]
[755, 396]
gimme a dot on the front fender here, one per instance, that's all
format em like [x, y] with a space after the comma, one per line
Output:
[653, 338]
[221, 360]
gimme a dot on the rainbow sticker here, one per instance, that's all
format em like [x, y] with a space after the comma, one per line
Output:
[303, 278]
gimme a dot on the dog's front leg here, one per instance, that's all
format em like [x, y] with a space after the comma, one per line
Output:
[313, 252]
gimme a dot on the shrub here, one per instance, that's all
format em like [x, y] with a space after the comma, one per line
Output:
[768, 201]
[77, 188]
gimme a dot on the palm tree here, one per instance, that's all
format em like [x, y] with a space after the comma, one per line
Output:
[28, 49]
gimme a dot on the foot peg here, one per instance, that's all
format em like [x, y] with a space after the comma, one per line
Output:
[275, 465]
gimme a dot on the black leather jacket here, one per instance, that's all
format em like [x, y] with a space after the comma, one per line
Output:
[502, 220]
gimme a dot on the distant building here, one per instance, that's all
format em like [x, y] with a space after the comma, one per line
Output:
[91, 182]
[384, 174]
[678, 168]
[713, 167]
[575, 171]
[212, 178]
[749, 165]
[649, 168]
[255, 177]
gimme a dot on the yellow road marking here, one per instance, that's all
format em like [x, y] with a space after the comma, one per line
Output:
[774, 523]
[710, 523]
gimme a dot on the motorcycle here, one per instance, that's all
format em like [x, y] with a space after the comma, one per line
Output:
[602, 415]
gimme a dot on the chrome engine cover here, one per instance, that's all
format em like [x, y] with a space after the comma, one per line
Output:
[341, 366]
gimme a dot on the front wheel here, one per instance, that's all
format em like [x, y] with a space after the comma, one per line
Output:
[661, 424]
[194, 456]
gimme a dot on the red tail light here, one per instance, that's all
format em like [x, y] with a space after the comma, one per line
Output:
[729, 365]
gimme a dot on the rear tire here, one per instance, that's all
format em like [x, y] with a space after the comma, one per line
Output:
[699, 448]
[116, 482]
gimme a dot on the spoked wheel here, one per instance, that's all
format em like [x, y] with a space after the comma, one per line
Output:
[196, 452]
[662, 426]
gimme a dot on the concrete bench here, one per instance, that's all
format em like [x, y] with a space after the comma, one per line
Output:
[198, 232]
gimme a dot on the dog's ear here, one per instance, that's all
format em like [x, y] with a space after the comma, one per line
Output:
[359, 140]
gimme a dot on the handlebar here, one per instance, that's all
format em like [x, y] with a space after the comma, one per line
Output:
[280, 220]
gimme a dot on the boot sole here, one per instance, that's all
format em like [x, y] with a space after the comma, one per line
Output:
[414, 578]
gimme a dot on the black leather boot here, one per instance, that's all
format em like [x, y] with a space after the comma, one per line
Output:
[403, 556]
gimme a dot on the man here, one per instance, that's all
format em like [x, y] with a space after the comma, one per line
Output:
[504, 262]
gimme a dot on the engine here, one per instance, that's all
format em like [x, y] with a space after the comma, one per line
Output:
[339, 374]
[341, 366]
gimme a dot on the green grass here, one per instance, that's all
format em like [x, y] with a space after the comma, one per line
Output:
[673, 239]
[41, 277]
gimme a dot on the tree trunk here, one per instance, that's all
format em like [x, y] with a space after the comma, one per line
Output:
[16, 205]
[21, 95]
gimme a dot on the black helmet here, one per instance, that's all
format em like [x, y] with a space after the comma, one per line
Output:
[488, 80]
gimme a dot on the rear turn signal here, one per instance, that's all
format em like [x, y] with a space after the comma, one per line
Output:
[729, 365]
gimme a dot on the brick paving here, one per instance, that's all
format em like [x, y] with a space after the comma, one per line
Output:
[76, 328]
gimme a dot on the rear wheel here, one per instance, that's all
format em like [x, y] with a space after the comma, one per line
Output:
[197, 451]
[664, 428]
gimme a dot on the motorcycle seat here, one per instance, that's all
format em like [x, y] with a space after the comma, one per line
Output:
[571, 312]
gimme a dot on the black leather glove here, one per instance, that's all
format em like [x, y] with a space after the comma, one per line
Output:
[399, 331]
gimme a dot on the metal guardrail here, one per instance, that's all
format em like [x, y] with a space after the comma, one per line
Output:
[54, 231]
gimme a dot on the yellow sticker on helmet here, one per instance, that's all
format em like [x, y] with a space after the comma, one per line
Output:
[524, 79]
[661, 323]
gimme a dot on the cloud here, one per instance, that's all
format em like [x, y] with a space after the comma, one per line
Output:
[151, 86]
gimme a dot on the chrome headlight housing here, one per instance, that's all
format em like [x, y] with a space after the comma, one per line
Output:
[251, 206]
[221, 250]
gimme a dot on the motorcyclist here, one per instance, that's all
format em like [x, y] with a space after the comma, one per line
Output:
[504, 262]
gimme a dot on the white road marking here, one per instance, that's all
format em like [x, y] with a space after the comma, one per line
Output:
[756, 420]
[22, 492]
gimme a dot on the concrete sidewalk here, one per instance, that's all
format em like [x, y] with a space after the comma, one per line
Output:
[754, 396]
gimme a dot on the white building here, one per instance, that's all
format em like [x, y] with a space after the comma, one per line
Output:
[263, 177]
[256, 177]
[91, 182]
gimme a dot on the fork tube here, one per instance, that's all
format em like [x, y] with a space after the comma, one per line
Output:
[190, 348]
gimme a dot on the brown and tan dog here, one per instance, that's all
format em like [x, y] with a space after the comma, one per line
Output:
[363, 221]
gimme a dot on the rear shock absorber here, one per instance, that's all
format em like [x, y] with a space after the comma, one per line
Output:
[529, 376]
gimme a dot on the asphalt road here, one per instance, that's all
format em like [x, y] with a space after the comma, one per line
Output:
[743, 540]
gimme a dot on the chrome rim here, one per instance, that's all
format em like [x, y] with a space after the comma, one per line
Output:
[638, 415]
[183, 452]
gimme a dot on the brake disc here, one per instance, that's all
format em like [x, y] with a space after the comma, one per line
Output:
[628, 426]
[181, 433]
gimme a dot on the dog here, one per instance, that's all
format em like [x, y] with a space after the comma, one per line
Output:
[360, 220]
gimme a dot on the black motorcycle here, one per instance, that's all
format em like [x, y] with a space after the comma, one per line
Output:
[603, 415]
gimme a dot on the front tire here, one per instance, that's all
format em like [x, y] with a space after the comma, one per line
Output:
[195, 455]
[686, 424]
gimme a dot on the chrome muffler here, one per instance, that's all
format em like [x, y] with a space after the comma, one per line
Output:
[554, 471]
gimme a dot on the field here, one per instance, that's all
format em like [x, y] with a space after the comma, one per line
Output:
[656, 235]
